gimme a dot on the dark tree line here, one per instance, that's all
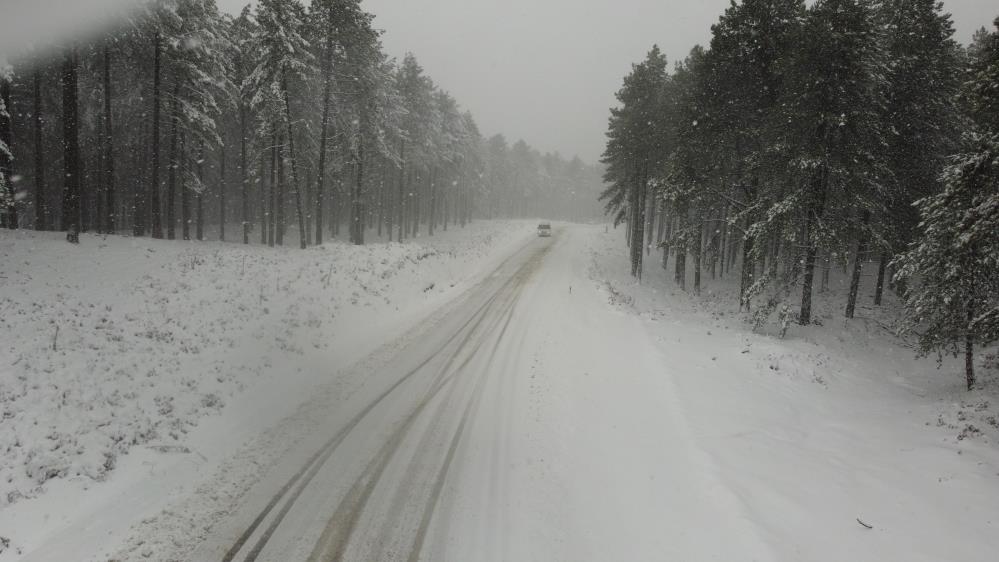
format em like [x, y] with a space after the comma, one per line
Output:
[287, 118]
[804, 137]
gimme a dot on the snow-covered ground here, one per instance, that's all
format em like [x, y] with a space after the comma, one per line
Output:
[130, 365]
[550, 408]
[832, 424]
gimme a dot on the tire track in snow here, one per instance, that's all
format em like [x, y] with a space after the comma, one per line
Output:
[316, 462]
[435, 497]
[299, 481]
[333, 544]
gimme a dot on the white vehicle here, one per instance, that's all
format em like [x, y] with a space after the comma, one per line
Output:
[544, 230]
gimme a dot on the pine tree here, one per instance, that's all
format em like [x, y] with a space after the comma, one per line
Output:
[449, 138]
[636, 148]
[197, 48]
[72, 167]
[109, 155]
[242, 31]
[282, 54]
[955, 262]
[692, 166]
[415, 144]
[831, 131]
[8, 204]
[42, 214]
[921, 115]
[323, 18]
[744, 77]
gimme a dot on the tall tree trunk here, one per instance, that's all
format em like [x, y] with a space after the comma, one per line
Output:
[432, 218]
[715, 241]
[155, 213]
[698, 243]
[969, 352]
[667, 234]
[811, 241]
[415, 220]
[300, 210]
[222, 199]
[321, 171]
[279, 205]
[402, 190]
[805, 317]
[380, 218]
[175, 158]
[42, 215]
[324, 124]
[680, 269]
[109, 194]
[97, 206]
[71, 150]
[358, 210]
[447, 203]
[826, 267]
[307, 199]
[199, 195]
[263, 196]
[637, 223]
[8, 214]
[244, 176]
[185, 193]
[650, 223]
[879, 289]
[723, 241]
[746, 278]
[390, 197]
[748, 264]
[139, 211]
[272, 191]
[680, 272]
[858, 261]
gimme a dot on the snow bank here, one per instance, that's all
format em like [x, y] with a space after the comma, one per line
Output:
[123, 342]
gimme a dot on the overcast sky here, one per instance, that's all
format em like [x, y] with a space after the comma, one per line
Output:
[546, 70]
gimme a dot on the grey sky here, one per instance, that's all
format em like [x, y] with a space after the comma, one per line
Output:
[546, 70]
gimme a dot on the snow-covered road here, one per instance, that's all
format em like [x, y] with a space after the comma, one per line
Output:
[460, 446]
[376, 489]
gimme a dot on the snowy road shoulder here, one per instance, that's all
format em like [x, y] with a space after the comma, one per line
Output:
[810, 433]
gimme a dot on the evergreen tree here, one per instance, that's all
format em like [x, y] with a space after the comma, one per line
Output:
[830, 133]
[242, 30]
[415, 144]
[693, 164]
[8, 208]
[42, 214]
[282, 54]
[955, 263]
[921, 113]
[197, 51]
[72, 168]
[743, 79]
[636, 148]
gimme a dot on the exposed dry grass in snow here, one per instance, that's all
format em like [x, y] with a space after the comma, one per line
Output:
[122, 342]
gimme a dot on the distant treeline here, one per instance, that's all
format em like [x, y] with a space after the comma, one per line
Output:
[285, 117]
